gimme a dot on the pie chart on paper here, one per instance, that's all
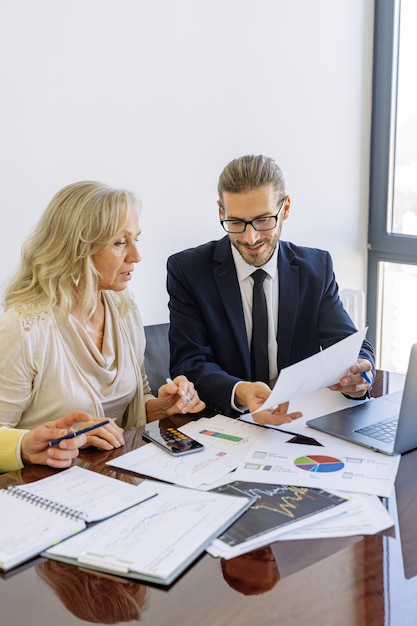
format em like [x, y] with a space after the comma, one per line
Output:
[319, 463]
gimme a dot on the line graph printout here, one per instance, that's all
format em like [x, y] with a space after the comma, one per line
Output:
[276, 509]
[337, 467]
[366, 516]
[188, 471]
[157, 539]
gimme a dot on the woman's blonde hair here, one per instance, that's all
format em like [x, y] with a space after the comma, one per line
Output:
[95, 597]
[56, 261]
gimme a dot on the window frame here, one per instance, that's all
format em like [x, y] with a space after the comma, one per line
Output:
[382, 244]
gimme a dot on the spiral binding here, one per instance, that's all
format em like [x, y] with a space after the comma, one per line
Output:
[44, 503]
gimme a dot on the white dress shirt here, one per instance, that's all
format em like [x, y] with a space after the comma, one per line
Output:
[270, 284]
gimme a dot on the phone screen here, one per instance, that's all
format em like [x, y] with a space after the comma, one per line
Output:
[171, 439]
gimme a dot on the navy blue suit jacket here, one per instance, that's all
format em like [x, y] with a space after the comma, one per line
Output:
[208, 340]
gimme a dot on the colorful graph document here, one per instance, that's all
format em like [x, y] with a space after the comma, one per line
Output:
[226, 443]
[276, 509]
[156, 540]
[341, 466]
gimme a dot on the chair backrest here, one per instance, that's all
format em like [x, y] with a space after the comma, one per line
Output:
[157, 355]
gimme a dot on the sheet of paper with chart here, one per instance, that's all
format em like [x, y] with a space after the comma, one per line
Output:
[157, 539]
[316, 372]
[226, 443]
[366, 516]
[341, 466]
[276, 509]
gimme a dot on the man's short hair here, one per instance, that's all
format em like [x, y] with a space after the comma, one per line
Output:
[250, 172]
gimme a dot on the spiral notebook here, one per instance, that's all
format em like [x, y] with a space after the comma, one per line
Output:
[41, 514]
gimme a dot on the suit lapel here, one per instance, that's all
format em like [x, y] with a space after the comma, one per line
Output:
[288, 302]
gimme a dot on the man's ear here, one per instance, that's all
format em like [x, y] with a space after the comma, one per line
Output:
[286, 208]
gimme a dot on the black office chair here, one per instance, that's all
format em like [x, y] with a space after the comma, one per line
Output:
[157, 355]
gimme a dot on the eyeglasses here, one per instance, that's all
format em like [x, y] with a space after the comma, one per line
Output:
[260, 223]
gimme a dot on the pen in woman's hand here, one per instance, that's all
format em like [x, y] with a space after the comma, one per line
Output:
[55, 442]
[184, 397]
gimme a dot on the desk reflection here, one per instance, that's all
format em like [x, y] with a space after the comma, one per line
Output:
[252, 573]
[403, 509]
[94, 597]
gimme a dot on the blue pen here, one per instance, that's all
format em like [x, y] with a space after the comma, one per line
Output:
[366, 377]
[55, 442]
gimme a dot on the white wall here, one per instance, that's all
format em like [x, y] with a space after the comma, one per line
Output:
[158, 95]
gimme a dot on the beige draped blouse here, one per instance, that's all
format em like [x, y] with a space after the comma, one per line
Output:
[49, 369]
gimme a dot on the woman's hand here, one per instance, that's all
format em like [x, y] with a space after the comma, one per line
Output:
[176, 396]
[106, 437]
[35, 448]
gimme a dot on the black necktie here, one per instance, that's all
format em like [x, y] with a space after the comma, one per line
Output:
[259, 345]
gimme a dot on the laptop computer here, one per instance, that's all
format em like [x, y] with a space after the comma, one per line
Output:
[387, 424]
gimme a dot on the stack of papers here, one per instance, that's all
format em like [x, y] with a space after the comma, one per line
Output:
[330, 489]
[276, 508]
[250, 486]
[284, 513]
[300, 491]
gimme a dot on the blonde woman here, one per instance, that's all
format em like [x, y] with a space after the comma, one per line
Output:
[72, 336]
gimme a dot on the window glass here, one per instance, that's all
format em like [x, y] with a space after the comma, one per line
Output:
[398, 314]
[404, 214]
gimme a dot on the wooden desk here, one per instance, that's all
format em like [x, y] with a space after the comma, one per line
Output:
[369, 581]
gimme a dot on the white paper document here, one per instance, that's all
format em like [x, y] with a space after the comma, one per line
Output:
[226, 442]
[366, 516]
[316, 372]
[312, 405]
[315, 404]
[343, 466]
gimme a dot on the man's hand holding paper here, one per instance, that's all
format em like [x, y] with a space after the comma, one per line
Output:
[336, 367]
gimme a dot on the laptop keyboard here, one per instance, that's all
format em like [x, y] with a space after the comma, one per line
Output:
[383, 431]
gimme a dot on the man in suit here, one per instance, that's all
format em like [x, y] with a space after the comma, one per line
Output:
[211, 294]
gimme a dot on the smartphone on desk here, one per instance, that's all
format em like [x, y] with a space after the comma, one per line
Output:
[170, 439]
